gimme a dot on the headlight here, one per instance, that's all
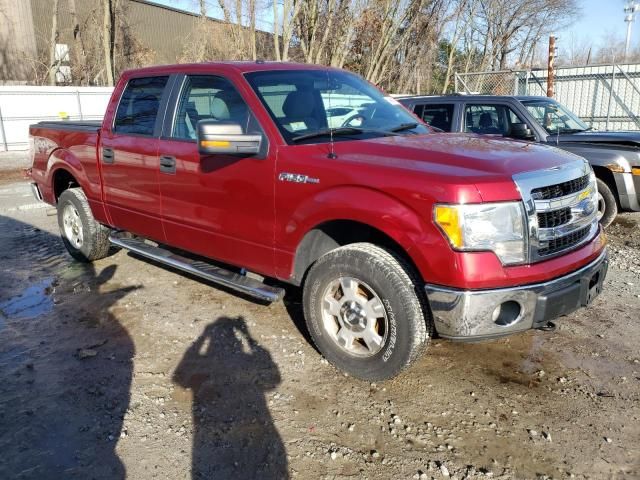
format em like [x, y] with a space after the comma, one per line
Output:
[497, 227]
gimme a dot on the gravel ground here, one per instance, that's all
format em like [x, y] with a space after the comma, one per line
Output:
[122, 368]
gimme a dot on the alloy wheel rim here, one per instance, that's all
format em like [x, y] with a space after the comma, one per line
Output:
[72, 226]
[354, 317]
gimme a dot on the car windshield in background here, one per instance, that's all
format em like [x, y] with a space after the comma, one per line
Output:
[311, 106]
[554, 117]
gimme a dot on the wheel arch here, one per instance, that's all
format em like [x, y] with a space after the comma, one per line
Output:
[65, 171]
[331, 234]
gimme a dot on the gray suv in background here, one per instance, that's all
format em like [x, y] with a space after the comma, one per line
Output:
[614, 156]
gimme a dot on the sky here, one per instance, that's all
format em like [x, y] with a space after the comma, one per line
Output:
[600, 21]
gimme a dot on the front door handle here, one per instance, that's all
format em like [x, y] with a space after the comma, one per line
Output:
[108, 155]
[167, 164]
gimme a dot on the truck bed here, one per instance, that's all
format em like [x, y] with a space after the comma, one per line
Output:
[69, 143]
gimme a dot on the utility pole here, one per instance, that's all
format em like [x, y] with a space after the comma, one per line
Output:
[550, 67]
[630, 11]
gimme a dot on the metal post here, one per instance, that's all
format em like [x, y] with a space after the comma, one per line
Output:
[4, 135]
[613, 79]
[79, 104]
[630, 11]
[526, 82]
[455, 82]
[550, 72]
[628, 19]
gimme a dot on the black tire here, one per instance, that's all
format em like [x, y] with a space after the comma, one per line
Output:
[95, 236]
[407, 320]
[607, 204]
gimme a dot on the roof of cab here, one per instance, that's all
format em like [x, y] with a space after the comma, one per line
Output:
[238, 66]
[463, 97]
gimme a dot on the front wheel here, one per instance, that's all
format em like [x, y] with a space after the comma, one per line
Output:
[607, 205]
[85, 239]
[365, 312]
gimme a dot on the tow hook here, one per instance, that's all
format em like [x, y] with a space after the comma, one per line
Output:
[549, 327]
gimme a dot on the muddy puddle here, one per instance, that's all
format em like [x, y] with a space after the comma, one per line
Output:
[34, 301]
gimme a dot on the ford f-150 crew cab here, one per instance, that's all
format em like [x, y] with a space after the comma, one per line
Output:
[614, 156]
[238, 172]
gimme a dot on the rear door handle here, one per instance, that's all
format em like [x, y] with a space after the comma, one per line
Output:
[167, 164]
[107, 155]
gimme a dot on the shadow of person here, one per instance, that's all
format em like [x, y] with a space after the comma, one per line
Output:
[234, 435]
[65, 361]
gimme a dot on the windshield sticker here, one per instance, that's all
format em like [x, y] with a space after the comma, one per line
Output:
[297, 126]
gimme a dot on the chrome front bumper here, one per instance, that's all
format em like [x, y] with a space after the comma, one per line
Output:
[479, 314]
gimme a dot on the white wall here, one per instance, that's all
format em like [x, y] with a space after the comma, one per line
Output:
[21, 106]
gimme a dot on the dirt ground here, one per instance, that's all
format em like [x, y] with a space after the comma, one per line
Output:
[126, 369]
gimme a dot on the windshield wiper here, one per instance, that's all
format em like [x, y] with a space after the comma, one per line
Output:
[574, 130]
[325, 132]
[328, 132]
[403, 126]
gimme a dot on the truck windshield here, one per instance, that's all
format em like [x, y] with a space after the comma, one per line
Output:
[554, 117]
[312, 106]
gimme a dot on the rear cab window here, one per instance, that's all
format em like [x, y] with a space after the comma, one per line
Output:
[139, 105]
[487, 119]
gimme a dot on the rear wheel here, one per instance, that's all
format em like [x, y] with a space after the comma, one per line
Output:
[607, 205]
[364, 311]
[85, 238]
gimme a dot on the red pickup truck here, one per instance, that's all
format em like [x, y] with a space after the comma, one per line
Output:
[313, 177]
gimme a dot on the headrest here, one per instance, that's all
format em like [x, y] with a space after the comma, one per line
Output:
[298, 104]
[485, 120]
[228, 105]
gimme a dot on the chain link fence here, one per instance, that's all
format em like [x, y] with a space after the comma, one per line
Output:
[607, 97]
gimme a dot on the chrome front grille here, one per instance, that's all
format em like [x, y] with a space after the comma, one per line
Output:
[561, 206]
[560, 189]
[554, 218]
[567, 241]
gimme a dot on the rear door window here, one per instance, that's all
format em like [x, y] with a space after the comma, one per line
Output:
[138, 108]
[489, 119]
[439, 116]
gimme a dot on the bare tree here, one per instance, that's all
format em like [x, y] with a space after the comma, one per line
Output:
[54, 63]
[108, 40]
[283, 26]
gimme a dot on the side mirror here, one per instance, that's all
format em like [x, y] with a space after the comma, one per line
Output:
[521, 131]
[222, 137]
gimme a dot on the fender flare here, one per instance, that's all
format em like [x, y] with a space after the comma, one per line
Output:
[63, 159]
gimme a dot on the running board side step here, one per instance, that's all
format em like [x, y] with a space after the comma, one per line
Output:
[235, 281]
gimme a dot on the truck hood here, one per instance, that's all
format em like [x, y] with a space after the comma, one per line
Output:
[467, 155]
[621, 138]
[465, 165]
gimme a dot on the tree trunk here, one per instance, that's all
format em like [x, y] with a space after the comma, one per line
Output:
[290, 12]
[276, 33]
[80, 53]
[54, 63]
[252, 29]
[107, 36]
